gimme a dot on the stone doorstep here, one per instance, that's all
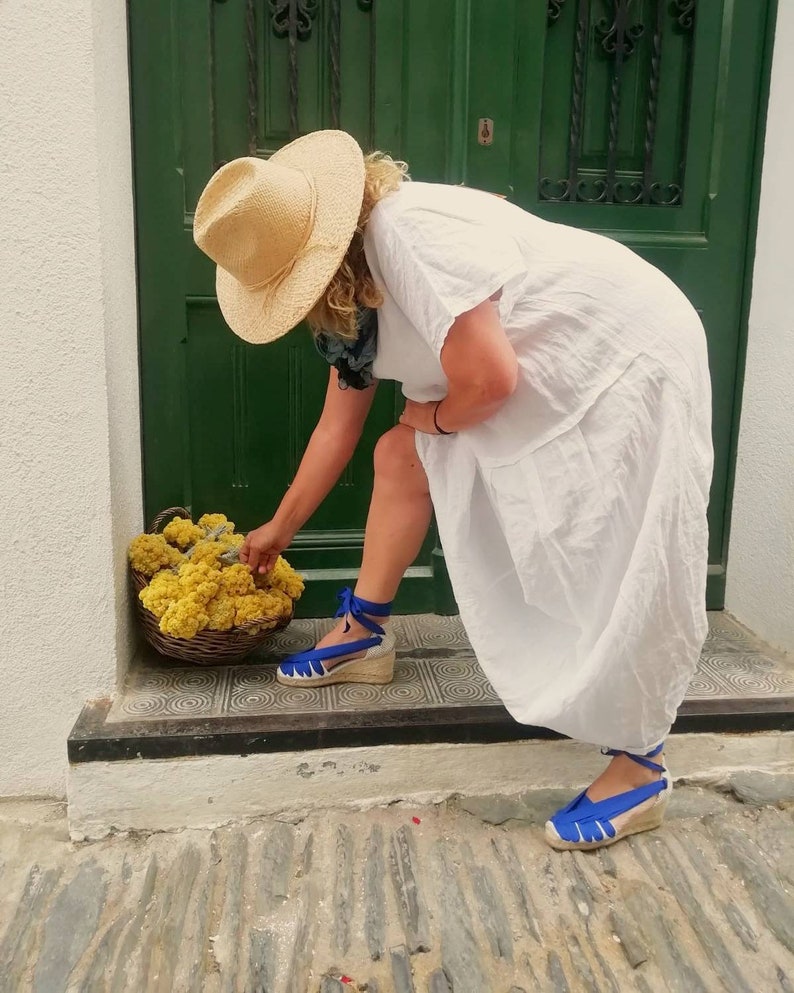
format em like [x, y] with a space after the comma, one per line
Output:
[439, 694]
[214, 790]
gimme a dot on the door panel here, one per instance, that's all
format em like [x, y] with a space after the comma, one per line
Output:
[225, 423]
[593, 102]
[661, 109]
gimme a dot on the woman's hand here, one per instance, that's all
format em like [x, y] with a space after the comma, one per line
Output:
[263, 546]
[419, 416]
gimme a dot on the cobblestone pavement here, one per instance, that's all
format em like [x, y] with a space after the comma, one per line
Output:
[399, 899]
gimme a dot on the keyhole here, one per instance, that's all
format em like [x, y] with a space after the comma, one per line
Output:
[485, 136]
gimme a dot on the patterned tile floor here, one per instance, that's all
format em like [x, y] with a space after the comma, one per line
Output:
[436, 667]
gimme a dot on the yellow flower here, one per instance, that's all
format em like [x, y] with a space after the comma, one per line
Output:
[221, 611]
[283, 577]
[229, 540]
[269, 604]
[186, 617]
[196, 591]
[200, 580]
[208, 552]
[151, 552]
[182, 532]
[161, 592]
[236, 580]
[277, 602]
[210, 522]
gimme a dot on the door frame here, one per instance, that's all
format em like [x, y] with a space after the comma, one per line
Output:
[715, 596]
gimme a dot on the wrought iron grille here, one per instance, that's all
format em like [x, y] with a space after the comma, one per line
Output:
[628, 101]
[294, 21]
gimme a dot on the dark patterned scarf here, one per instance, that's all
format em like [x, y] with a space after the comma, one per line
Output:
[352, 359]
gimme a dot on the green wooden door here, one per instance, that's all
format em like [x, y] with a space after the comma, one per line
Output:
[634, 117]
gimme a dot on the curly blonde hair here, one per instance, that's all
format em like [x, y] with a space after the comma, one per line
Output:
[336, 311]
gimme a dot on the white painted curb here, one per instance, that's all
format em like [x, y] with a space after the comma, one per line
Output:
[171, 794]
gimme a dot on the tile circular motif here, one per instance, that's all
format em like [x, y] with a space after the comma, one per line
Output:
[702, 684]
[462, 681]
[257, 692]
[146, 706]
[169, 702]
[433, 632]
[252, 699]
[197, 679]
[169, 692]
[468, 692]
[187, 704]
[351, 695]
[759, 683]
[179, 680]
[400, 693]
[243, 678]
[155, 682]
[740, 663]
[722, 627]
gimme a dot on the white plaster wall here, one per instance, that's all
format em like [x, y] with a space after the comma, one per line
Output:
[760, 575]
[69, 440]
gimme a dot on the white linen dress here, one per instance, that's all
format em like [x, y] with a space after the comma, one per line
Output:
[573, 521]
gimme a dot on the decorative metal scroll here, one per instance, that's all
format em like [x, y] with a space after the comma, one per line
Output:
[684, 11]
[554, 10]
[617, 34]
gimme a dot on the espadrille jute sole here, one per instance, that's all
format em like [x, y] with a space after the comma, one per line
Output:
[378, 671]
[648, 820]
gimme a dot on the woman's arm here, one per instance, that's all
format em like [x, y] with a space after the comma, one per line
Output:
[330, 449]
[481, 369]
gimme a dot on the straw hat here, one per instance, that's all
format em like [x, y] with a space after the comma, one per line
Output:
[278, 230]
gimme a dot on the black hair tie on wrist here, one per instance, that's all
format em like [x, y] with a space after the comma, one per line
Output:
[436, 425]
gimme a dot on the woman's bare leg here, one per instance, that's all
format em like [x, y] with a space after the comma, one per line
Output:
[621, 775]
[397, 523]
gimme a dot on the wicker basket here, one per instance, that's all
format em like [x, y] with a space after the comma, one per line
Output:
[208, 647]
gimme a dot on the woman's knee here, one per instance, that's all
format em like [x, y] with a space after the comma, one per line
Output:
[396, 458]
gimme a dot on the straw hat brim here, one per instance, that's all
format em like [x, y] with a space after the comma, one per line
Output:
[335, 163]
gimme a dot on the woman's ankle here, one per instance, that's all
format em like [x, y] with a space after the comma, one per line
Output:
[372, 594]
[356, 630]
[341, 633]
[633, 772]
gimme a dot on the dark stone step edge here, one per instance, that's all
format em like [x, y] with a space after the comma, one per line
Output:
[93, 739]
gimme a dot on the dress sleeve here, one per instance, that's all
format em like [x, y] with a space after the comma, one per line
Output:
[437, 267]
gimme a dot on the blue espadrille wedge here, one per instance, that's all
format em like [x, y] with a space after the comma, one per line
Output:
[586, 824]
[367, 660]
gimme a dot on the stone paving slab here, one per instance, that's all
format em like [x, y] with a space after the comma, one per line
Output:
[402, 900]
